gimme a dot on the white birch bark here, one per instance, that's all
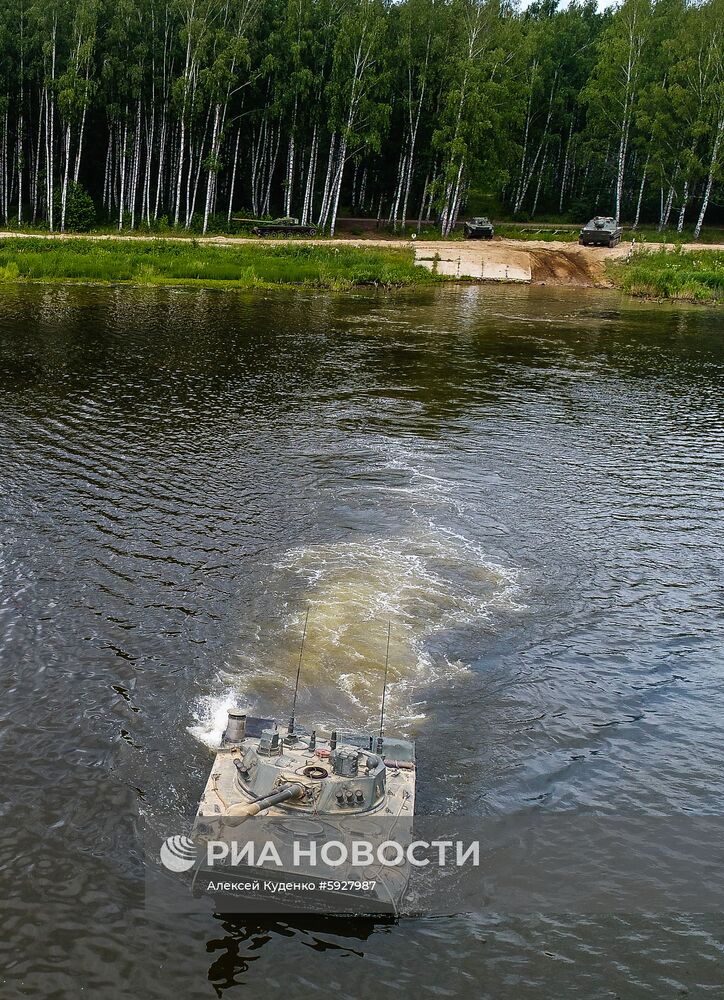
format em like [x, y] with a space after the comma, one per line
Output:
[719, 132]
[233, 177]
[682, 209]
[122, 196]
[81, 135]
[161, 163]
[36, 166]
[66, 170]
[308, 207]
[538, 186]
[106, 175]
[211, 174]
[323, 210]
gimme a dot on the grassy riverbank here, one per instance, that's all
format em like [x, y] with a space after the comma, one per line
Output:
[696, 276]
[187, 263]
[693, 276]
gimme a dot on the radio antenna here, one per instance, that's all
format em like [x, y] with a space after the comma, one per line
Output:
[384, 690]
[290, 728]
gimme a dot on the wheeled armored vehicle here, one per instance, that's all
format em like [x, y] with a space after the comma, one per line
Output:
[479, 228]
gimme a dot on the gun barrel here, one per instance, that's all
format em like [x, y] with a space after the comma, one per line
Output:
[283, 794]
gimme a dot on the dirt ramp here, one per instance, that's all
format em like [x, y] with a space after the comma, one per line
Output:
[568, 267]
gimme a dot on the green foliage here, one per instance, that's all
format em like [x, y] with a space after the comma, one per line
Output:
[80, 213]
[185, 109]
[674, 274]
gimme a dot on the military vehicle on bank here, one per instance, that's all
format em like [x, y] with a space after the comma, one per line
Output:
[479, 228]
[601, 231]
[287, 226]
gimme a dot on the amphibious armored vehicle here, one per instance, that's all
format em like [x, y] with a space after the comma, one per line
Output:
[479, 228]
[601, 231]
[288, 226]
[306, 790]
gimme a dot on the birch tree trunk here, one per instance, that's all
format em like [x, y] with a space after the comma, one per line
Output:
[81, 134]
[66, 168]
[324, 211]
[291, 151]
[630, 73]
[519, 195]
[338, 184]
[211, 174]
[20, 169]
[122, 196]
[682, 210]
[135, 165]
[159, 175]
[537, 190]
[180, 170]
[51, 138]
[233, 177]
[641, 193]
[48, 161]
[308, 207]
[710, 178]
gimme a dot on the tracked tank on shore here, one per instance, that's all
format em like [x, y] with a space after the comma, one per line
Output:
[301, 791]
[601, 231]
[287, 226]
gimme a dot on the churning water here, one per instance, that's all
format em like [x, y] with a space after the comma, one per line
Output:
[526, 484]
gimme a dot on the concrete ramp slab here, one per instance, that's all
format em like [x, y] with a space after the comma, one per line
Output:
[482, 261]
[506, 271]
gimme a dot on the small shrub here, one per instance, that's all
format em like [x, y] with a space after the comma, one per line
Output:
[80, 213]
[219, 223]
[10, 271]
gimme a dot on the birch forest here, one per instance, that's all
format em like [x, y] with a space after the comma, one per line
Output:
[194, 113]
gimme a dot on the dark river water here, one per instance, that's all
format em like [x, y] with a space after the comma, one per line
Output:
[527, 483]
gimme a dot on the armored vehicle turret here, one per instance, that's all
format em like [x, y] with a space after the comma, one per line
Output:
[601, 231]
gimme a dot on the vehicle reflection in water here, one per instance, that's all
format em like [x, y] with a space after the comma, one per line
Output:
[244, 939]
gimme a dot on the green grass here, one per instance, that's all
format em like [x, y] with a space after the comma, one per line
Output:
[189, 263]
[693, 276]
[650, 234]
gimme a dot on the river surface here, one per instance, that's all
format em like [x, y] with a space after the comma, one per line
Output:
[527, 483]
